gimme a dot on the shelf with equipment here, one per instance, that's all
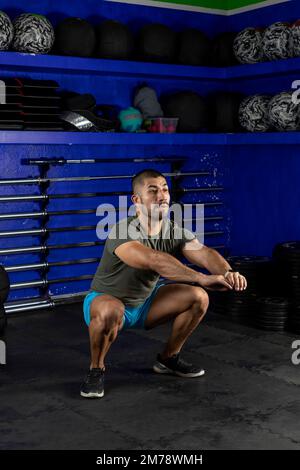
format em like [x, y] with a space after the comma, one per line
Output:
[263, 69]
[108, 138]
[117, 138]
[48, 63]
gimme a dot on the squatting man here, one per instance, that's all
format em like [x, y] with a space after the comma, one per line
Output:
[125, 292]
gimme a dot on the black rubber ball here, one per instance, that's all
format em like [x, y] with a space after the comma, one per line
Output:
[194, 47]
[222, 54]
[157, 43]
[189, 107]
[114, 40]
[75, 37]
[4, 285]
[223, 110]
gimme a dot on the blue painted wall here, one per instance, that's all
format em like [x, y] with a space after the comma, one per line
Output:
[265, 197]
[287, 11]
[198, 159]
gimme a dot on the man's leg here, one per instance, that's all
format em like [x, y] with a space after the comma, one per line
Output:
[106, 315]
[185, 304]
[106, 319]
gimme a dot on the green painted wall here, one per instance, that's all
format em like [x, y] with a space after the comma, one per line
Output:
[222, 5]
[217, 4]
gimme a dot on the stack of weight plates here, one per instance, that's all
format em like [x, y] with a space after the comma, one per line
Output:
[258, 271]
[234, 304]
[30, 105]
[10, 106]
[287, 261]
[271, 313]
[239, 305]
[294, 319]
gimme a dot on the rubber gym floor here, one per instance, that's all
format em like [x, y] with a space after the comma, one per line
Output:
[248, 399]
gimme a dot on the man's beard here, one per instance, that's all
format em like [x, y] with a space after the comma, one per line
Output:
[155, 212]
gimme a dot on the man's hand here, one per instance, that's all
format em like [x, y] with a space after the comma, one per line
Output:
[215, 282]
[236, 280]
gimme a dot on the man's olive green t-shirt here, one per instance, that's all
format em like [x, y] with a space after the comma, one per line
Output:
[132, 286]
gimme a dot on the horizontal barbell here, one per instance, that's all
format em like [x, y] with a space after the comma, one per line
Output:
[45, 231]
[43, 197]
[64, 161]
[44, 248]
[40, 180]
[45, 282]
[46, 265]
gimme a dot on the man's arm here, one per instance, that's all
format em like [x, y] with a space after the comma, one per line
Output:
[138, 256]
[205, 257]
[211, 260]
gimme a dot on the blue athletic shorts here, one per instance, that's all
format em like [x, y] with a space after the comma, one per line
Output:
[134, 317]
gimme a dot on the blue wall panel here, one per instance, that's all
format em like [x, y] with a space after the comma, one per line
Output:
[288, 11]
[197, 159]
[264, 199]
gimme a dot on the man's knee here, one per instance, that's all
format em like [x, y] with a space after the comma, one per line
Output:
[108, 315]
[200, 300]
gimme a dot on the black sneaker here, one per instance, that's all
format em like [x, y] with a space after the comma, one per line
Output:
[93, 386]
[176, 366]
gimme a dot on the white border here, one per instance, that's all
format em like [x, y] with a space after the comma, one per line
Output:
[214, 11]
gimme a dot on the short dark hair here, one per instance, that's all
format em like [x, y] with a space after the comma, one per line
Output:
[139, 177]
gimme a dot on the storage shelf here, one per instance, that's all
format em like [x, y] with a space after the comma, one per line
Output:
[46, 62]
[263, 69]
[15, 61]
[92, 138]
[108, 138]
[268, 138]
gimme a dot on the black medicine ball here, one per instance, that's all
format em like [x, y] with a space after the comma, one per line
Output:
[76, 37]
[74, 101]
[223, 109]
[114, 40]
[4, 285]
[3, 320]
[194, 47]
[222, 54]
[157, 43]
[189, 107]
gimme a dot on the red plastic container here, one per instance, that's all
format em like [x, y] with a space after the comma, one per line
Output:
[162, 125]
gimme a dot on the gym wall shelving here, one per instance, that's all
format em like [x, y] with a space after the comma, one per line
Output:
[259, 174]
[14, 61]
[116, 138]
[225, 77]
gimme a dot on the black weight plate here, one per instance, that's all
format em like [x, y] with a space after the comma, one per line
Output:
[272, 315]
[295, 323]
[271, 323]
[270, 328]
[44, 127]
[11, 126]
[272, 301]
[294, 330]
[275, 319]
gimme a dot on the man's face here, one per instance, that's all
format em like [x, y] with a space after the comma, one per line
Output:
[153, 197]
